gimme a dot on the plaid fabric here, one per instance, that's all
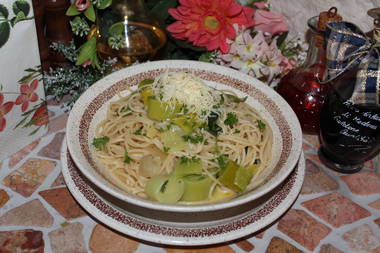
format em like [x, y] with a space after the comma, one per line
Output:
[347, 48]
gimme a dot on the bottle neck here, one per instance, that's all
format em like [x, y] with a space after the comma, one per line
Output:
[316, 53]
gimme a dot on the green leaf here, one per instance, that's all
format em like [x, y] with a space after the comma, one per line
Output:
[87, 51]
[117, 28]
[4, 33]
[19, 17]
[26, 78]
[281, 39]
[205, 57]
[34, 131]
[160, 9]
[90, 13]
[21, 6]
[102, 4]
[72, 11]
[100, 143]
[3, 11]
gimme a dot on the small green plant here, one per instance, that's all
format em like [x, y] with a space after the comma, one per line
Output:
[21, 9]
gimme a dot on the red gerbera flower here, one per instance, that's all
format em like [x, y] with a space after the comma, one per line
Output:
[4, 109]
[27, 94]
[209, 23]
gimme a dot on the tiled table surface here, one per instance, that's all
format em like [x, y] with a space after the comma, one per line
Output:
[334, 212]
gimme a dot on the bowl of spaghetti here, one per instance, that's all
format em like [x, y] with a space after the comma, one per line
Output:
[183, 136]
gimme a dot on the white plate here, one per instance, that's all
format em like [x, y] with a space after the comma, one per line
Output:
[150, 225]
[91, 108]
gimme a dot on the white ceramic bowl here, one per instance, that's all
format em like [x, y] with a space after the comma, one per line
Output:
[91, 108]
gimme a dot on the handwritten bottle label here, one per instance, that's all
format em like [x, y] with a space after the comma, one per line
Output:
[357, 124]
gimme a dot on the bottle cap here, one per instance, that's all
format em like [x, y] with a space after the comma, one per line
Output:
[328, 16]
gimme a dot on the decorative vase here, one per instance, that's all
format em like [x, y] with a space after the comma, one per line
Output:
[126, 31]
[301, 87]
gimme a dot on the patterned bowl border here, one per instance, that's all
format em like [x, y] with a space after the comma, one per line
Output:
[178, 232]
[285, 130]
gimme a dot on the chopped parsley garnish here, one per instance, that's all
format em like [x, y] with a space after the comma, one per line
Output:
[127, 158]
[231, 119]
[138, 131]
[193, 139]
[100, 143]
[185, 109]
[222, 161]
[166, 149]
[185, 159]
[212, 127]
[237, 131]
[261, 125]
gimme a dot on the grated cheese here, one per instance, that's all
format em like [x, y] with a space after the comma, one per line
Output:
[186, 89]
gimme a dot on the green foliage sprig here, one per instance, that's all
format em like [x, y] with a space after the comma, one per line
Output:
[73, 80]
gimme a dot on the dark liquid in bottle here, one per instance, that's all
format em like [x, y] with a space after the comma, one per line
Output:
[302, 90]
[350, 134]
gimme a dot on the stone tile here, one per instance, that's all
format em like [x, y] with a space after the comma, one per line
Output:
[245, 245]
[307, 147]
[32, 213]
[63, 202]
[23, 241]
[361, 238]
[363, 183]
[4, 197]
[106, 240]
[303, 228]
[328, 248]
[53, 149]
[22, 153]
[26, 179]
[278, 245]
[375, 204]
[219, 249]
[312, 139]
[314, 158]
[336, 209]
[373, 164]
[51, 114]
[376, 250]
[377, 221]
[260, 235]
[57, 124]
[316, 180]
[59, 181]
[68, 239]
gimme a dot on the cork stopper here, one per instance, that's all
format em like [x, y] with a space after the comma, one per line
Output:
[375, 14]
[328, 16]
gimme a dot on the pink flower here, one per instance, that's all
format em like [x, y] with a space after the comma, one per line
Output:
[27, 94]
[269, 22]
[209, 23]
[260, 5]
[255, 57]
[86, 63]
[4, 109]
[82, 4]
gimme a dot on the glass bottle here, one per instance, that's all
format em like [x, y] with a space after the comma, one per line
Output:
[128, 32]
[350, 133]
[301, 87]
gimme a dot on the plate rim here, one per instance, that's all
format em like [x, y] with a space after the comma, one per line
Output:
[152, 237]
[117, 76]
